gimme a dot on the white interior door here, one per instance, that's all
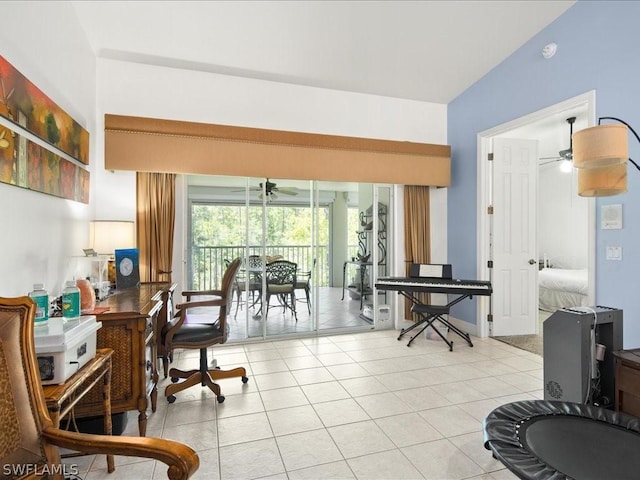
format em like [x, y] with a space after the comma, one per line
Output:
[515, 257]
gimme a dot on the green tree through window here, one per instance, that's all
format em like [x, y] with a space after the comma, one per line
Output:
[218, 234]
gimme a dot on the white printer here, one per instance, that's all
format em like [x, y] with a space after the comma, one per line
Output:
[64, 347]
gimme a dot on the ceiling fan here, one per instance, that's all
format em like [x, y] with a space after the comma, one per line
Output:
[271, 188]
[563, 155]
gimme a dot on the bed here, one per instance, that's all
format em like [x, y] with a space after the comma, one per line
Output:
[562, 288]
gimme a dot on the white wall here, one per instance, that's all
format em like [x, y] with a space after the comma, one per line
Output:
[40, 232]
[44, 41]
[160, 92]
[562, 219]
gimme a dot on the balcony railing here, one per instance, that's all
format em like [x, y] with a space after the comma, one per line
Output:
[208, 263]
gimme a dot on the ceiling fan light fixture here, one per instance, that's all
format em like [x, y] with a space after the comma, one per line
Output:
[566, 166]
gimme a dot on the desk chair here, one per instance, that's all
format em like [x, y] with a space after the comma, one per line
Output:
[281, 282]
[28, 438]
[195, 326]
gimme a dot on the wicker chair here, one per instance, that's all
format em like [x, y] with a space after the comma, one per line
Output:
[195, 326]
[29, 443]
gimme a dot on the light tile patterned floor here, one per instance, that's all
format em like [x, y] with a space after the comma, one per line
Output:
[354, 406]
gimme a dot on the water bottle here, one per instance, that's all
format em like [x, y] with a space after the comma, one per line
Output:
[41, 297]
[70, 301]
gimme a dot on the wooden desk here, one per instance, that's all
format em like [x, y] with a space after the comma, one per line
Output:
[61, 399]
[627, 381]
[129, 327]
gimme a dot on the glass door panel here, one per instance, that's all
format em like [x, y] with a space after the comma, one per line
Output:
[383, 202]
[338, 298]
[255, 256]
[289, 230]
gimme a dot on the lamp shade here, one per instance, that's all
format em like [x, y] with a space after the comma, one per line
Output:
[600, 146]
[602, 181]
[105, 236]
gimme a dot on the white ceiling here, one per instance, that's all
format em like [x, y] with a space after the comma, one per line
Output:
[422, 50]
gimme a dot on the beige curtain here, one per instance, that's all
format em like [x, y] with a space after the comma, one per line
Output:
[417, 243]
[155, 216]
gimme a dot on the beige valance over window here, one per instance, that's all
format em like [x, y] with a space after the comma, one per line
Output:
[169, 146]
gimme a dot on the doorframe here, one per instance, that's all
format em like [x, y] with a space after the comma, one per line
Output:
[485, 196]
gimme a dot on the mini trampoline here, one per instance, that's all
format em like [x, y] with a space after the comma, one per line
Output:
[539, 439]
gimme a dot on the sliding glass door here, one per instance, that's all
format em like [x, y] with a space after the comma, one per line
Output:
[331, 232]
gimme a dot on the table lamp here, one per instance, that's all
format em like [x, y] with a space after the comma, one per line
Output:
[106, 236]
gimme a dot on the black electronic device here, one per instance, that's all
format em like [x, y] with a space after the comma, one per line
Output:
[574, 339]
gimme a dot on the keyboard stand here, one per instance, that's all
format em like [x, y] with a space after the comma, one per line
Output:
[429, 314]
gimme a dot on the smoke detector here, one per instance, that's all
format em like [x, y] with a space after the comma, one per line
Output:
[549, 50]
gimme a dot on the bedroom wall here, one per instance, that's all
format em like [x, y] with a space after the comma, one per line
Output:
[40, 233]
[597, 47]
[562, 218]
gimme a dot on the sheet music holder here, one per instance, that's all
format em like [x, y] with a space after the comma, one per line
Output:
[430, 270]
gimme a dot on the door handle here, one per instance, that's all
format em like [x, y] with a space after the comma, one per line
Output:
[532, 261]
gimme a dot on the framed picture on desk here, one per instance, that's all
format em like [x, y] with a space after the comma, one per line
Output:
[127, 268]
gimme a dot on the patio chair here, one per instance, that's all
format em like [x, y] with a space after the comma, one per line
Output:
[303, 282]
[281, 282]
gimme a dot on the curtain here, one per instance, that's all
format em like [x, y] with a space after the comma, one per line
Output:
[417, 243]
[155, 216]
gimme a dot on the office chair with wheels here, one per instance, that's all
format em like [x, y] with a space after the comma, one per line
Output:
[29, 443]
[199, 325]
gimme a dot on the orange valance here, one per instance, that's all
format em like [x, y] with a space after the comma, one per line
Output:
[170, 146]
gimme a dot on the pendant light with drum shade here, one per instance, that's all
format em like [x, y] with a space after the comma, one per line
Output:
[600, 154]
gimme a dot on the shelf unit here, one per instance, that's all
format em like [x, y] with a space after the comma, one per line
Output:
[361, 287]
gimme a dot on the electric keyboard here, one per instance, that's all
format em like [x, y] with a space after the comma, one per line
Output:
[435, 285]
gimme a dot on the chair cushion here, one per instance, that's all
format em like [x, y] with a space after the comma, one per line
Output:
[287, 288]
[197, 333]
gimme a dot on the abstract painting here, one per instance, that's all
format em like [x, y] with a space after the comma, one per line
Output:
[26, 105]
[28, 164]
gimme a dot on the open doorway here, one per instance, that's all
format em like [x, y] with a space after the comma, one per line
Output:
[556, 221]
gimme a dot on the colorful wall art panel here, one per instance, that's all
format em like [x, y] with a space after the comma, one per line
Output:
[26, 105]
[26, 164]
[34, 164]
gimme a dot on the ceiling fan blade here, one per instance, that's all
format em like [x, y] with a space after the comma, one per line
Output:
[286, 191]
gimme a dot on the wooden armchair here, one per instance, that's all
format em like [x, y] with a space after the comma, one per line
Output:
[29, 442]
[199, 325]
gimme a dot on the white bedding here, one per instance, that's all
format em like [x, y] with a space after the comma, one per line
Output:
[573, 281]
[562, 288]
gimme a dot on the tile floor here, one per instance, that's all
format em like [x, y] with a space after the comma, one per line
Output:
[353, 406]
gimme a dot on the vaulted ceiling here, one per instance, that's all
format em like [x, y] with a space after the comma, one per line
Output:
[422, 50]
